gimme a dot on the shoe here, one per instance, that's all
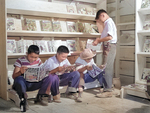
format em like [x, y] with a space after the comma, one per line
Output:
[57, 98]
[79, 99]
[39, 99]
[23, 104]
[104, 95]
[69, 95]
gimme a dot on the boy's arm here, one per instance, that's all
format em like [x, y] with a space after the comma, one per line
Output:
[58, 69]
[18, 71]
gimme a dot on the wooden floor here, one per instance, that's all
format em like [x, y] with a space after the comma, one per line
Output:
[90, 104]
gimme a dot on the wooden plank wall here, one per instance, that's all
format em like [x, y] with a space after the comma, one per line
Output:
[3, 55]
[126, 38]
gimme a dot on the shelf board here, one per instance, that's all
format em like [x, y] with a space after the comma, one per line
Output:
[144, 32]
[141, 82]
[89, 1]
[52, 34]
[16, 55]
[51, 14]
[128, 23]
[144, 11]
[144, 54]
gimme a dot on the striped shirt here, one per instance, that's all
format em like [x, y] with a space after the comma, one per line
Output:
[23, 61]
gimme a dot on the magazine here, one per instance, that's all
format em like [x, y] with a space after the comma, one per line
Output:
[30, 25]
[71, 26]
[89, 10]
[35, 74]
[71, 44]
[67, 69]
[42, 44]
[89, 45]
[95, 71]
[146, 74]
[146, 47]
[46, 25]
[82, 44]
[55, 45]
[57, 26]
[80, 27]
[145, 4]
[88, 28]
[81, 9]
[10, 24]
[11, 46]
[146, 25]
[70, 9]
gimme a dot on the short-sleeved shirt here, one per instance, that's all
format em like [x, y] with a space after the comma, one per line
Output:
[23, 61]
[53, 63]
[110, 29]
[83, 62]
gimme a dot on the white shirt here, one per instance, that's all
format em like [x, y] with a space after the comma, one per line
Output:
[110, 29]
[83, 62]
[53, 63]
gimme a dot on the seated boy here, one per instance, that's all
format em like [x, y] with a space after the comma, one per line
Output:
[46, 85]
[90, 72]
[57, 64]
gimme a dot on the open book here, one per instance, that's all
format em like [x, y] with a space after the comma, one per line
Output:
[67, 69]
[35, 74]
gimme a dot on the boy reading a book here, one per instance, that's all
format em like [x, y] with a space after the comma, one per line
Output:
[57, 66]
[46, 85]
[89, 71]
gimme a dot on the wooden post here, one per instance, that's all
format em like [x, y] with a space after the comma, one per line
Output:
[3, 54]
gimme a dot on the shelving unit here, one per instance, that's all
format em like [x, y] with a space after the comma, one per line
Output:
[42, 10]
[52, 34]
[140, 56]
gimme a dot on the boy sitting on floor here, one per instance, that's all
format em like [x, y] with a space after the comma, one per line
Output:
[57, 66]
[90, 72]
[46, 85]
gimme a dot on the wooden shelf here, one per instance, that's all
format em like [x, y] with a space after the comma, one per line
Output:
[51, 34]
[144, 32]
[141, 82]
[16, 55]
[144, 11]
[128, 23]
[144, 54]
[88, 1]
[51, 14]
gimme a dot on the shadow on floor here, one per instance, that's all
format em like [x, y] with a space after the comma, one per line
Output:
[143, 109]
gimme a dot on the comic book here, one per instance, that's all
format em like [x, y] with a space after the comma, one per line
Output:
[35, 74]
[46, 25]
[146, 47]
[11, 46]
[30, 25]
[71, 45]
[57, 26]
[10, 24]
[71, 26]
[70, 9]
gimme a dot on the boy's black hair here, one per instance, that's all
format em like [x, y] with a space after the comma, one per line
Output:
[99, 13]
[33, 49]
[62, 49]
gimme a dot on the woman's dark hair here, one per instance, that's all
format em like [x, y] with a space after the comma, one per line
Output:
[99, 13]
[33, 49]
[62, 49]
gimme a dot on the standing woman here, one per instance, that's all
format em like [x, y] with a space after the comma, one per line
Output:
[109, 39]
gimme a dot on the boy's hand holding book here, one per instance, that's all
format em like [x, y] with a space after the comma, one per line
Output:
[23, 69]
